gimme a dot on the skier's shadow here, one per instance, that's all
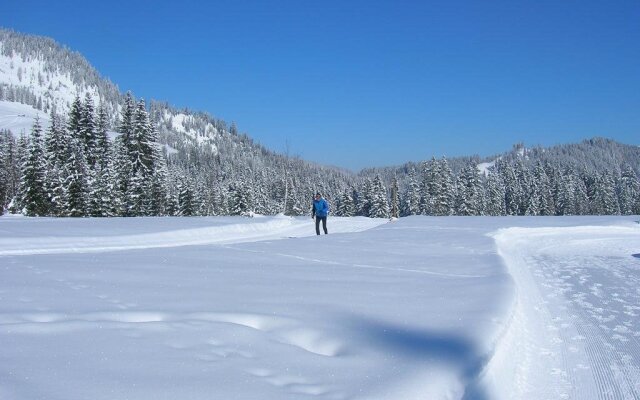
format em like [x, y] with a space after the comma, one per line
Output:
[421, 345]
[637, 255]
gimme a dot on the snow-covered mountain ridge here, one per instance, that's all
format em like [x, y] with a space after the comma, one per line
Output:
[39, 72]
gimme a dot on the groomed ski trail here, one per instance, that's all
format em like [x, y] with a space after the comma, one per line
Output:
[245, 230]
[575, 331]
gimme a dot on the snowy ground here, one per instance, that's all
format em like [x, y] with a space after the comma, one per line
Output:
[18, 118]
[238, 308]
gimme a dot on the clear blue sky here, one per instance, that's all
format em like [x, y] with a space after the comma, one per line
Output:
[369, 83]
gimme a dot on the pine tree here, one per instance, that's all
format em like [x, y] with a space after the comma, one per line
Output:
[470, 193]
[4, 171]
[379, 203]
[581, 197]
[346, 206]
[412, 197]
[220, 196]
[495, 195]
[88, 131]
[100, 198]
[542, 185]
[395, 199]
[365, 199]
[33, 182]
[142, 149]
[136, 195]
[122, 174]
[187, 204]
[443, 192]
[74, 125]
[240, 202]
[566, 204]
[76, 182]
[602, 195]
[22, 151]
[103, 145]
[513, 189]
[158, 190]
[428, 187]
[533, 206]
[628, 191]
[57, 150]
[125, 127]
[11, 162]
[523, 181]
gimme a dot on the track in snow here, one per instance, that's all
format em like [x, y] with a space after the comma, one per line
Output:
[244, 230]
[576, 326]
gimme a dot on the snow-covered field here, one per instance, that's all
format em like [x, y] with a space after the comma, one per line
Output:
[239, 308]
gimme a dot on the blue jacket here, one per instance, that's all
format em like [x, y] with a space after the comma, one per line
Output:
[320, 208]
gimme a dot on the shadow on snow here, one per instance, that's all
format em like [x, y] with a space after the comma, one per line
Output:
[446, 348]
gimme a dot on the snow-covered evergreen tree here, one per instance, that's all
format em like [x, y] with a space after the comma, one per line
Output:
[74, 123]
[103, 146]
[33, 186]
[443, 192]
[603, 195]
[470, 192]
[88, 131]
[6, 193]
[513, 189]
[57, 148]
[412, 196]
[395, 199]
[142, 150]
[101, 198]
[137, 195]
[542, 190]
[187, 201]
[346, 206]
[428, 186]
[365, 199]
[76, 183]
[495, 195]
[628, 191]
[125, 126]
[240, 201]
[379, 204]
[566, 197]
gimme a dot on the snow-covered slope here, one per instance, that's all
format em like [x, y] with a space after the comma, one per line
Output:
[19, 118]
[37, 71]
[50, 87]
[201, 308]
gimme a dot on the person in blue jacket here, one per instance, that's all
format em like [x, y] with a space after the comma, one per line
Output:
[319, 211]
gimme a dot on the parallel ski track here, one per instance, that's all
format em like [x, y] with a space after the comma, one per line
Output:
[615, 365]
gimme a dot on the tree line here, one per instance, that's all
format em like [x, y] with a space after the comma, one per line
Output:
[73, 168]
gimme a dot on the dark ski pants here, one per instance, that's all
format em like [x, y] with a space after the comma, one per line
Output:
[324, 224]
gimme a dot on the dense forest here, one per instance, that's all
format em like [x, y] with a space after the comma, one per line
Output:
[74, 169]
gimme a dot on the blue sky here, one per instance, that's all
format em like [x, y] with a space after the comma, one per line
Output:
[366, 83]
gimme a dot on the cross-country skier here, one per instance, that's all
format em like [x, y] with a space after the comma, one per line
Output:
[319, 211]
